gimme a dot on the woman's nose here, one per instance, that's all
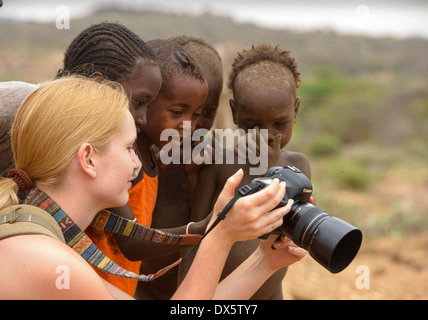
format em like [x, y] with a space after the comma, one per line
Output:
[137, 163]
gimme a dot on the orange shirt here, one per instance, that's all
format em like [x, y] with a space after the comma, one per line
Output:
[142, 200]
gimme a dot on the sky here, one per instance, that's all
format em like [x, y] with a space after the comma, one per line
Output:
[396, 18]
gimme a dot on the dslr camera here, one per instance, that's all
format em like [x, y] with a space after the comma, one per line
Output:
[332, 242]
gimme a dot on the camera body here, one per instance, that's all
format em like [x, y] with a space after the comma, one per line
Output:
[332, 242]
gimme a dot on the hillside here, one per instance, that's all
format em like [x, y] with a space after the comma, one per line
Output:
[350, 54]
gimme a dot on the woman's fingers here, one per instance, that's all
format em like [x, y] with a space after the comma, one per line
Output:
[268, 198]
[231, 185]
[274, 219]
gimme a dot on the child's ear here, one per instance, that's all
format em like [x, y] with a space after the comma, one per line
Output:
[86, 159]
[296, 108]
[233, 109]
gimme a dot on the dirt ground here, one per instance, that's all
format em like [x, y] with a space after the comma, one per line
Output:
[390, 270]
[385, 268]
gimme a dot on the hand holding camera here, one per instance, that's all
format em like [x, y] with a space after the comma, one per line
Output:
[285, 252]
[247, 218]
[332, 242]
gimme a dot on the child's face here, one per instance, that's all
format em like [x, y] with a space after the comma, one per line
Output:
[209, 110]
[272, 109]
[142, 87]
[181, 101]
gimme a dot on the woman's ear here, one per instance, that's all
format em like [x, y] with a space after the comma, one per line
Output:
[86, 159]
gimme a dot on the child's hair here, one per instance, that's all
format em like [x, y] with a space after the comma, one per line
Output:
[206, 55]
[54, 121]
[108, 48]
[263, 53]
[174, 59]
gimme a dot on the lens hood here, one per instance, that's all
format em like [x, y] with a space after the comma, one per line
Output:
[334, 243]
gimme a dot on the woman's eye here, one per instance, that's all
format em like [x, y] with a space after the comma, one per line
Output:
[133, 148]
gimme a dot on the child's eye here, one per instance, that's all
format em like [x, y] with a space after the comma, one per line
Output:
[138, 104]
[209, 112]
[177, 113]
[281, 124]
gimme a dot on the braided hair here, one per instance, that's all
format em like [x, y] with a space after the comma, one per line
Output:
[108, 48]
[206, 54]
[174, 59]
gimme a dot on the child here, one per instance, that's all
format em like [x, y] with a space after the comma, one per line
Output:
[263, 81]
[113, 52]
[177, 181]
[182, 95]
[12, 93]
[212, 67]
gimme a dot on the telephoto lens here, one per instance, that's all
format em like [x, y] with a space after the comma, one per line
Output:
[332, 242]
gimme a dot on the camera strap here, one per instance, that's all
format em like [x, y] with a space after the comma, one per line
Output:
[82, 244]
[243, 191]
[220, 216]
[77, 239]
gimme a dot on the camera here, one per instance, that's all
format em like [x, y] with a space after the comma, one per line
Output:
[332, 242]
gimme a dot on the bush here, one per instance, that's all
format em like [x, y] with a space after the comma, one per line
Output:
[325, 145]
[349, 175]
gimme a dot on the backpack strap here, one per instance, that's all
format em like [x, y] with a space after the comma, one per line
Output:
[26, 219]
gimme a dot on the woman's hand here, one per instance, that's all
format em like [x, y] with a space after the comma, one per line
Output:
[251, 216]
[285, 252]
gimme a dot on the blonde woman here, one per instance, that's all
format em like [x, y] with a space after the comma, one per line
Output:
[73, 143]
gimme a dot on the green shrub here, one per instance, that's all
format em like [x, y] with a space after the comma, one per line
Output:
[349, 175]
[325, 145]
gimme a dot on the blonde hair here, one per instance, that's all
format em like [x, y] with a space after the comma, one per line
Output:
[52, 123]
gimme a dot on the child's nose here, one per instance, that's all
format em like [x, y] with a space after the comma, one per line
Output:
[141, 117]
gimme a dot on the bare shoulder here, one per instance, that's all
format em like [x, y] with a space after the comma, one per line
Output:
[40, 267]
[297, 159]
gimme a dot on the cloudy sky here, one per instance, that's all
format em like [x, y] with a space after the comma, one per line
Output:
[371, 17]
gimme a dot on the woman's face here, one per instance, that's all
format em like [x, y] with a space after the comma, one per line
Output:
[116, 165]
